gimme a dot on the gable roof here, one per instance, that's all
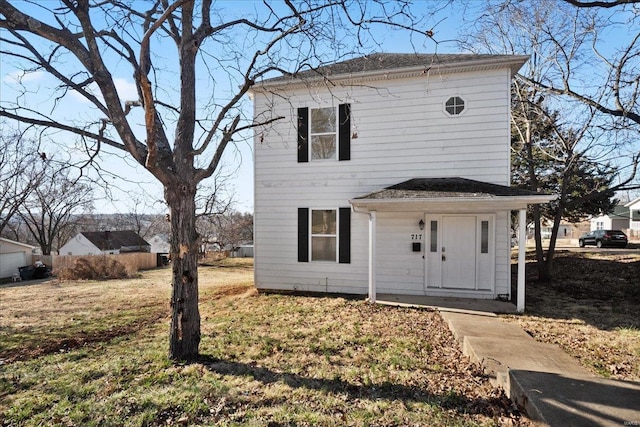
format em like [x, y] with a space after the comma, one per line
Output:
[110, 240]
[384, 63]
[632, 202]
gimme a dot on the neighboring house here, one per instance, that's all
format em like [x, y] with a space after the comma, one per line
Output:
[13, 255]
[616, 220]
[160, 244]
[634, 214]
[104, 242]
[243, 250]
[389, 174]
[623, 217]
[566, 230]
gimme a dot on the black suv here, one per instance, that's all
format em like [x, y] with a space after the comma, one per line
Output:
[601, 238]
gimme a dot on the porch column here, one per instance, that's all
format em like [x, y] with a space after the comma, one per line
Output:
[522, 251]
[372, 257]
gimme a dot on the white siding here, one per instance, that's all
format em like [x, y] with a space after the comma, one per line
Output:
[400, 131]
[13, 255]
[80, 245]
[11, 262]
[399, 269]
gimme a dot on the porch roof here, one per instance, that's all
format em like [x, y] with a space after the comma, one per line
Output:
[448, 193]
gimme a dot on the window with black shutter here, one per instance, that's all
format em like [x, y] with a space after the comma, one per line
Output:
[324, 235]
[324, 133]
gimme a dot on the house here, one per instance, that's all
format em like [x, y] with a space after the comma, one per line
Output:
[105, 242]
[634, 215]
[243, 250]
[566, 230]
[160, 244]
[623, 217]
[616, 220]
[389, 173]
[13, 255]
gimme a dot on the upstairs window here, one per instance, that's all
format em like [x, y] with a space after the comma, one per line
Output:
[454, 106]
[324, 133]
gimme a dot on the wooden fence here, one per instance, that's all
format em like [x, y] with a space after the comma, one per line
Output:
[137, 260]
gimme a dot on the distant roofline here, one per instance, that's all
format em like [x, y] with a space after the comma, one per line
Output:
[13, 242]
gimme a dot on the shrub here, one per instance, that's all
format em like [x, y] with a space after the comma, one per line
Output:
[97, 268]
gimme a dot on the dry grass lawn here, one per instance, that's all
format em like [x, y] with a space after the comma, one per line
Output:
[591, 309]
[94, 353]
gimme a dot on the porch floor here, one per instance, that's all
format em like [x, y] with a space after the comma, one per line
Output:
[487, 307]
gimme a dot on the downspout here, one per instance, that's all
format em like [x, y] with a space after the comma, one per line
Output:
[372, 257]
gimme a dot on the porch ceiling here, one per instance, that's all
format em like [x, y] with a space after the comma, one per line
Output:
[448, 195]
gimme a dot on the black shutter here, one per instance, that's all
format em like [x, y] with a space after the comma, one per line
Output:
[344, 132]
[303, 234]
[303, 135]
[344, 239]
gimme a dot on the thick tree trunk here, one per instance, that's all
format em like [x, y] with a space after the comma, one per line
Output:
[184, 336]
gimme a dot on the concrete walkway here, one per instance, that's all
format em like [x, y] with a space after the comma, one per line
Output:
[552, 386]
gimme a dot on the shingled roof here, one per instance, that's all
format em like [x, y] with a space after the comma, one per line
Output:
[114, 240]
[395, 61]
[429, 188]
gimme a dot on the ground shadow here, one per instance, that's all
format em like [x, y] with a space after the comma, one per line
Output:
[581, 402]
[602, 292]
[386, 391]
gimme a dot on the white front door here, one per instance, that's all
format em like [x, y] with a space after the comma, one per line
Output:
[458, 252]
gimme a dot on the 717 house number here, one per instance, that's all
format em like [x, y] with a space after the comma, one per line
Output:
[416, 237]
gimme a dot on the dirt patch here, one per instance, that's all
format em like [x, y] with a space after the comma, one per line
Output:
[80, 339]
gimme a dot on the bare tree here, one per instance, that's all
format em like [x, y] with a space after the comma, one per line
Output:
[140, 218]
[49, 211]
[228, 229]
[177, 53]
[20, 165]
[580, 140]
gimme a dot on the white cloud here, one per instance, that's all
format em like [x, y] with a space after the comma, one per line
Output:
[18, 76]
[126, 89]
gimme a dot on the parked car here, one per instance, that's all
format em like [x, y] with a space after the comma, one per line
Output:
[602, 238]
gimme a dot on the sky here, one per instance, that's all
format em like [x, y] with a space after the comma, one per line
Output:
[140, 191]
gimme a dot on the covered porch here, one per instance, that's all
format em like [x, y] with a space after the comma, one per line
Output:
[451, 205]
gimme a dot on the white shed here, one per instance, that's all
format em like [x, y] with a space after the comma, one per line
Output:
[13, 255]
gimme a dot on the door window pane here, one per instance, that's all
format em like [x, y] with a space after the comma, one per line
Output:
[434, 237]
[484, 237]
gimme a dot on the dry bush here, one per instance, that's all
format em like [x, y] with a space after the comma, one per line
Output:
[97, 268]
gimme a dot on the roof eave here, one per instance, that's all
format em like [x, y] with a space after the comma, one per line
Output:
[13, 242]
[457, 203]
[514, 63]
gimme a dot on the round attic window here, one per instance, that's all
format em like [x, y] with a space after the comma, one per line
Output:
[454, 106]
